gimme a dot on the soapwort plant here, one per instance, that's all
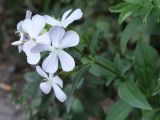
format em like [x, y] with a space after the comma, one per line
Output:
[109, 65]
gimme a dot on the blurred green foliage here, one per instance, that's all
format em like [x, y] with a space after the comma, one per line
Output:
[118, 68]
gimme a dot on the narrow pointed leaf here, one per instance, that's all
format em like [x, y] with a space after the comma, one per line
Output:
[128, 32]
[119, 111]
[131, 94]
[94, 42]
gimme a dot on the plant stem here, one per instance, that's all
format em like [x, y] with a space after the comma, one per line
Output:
[122, 77]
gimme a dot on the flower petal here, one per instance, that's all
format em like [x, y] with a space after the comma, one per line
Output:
[45, 87]
[77, 14]
[19, 26]
[28, 14]
[60, 95]
[38, 24]
[65, 15]
[32, 58]
[28, 28]
[56, 34]
[50, 64]
[28, 46]
[20, 48]
[70, 39]
[66, 60]
[58, 81]
[51, 20]
[41, 72]
[44, 39]
[40, 48]
[17, 43]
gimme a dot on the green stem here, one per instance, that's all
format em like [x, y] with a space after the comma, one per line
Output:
[95, 62]
[122, 77]
[109, 69]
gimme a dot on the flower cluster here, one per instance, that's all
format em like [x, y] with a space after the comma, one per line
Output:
[39, 34]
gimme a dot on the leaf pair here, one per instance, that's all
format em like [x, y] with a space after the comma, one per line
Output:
[125, 9]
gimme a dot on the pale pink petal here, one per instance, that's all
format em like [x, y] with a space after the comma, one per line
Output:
[60, 95]
[58, 81]
[50, 64]
[66, 60]
[65, 15]
[28, 27]
[70, 39]
[40, 48]
[38, 24]
[51, 20]
[20, 49]
[56, 34]
[41, 72]
[17, 43]
[45, 87]
[28, 14]
[76, 15]
[44, 39]
[33, 59]
[19, 26]
[28, 46]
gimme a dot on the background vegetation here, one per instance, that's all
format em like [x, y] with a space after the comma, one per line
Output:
[118, 65]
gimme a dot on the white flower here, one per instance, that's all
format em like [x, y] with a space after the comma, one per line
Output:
[52, 82]
[33, 27]
[60, 40]
[30, 30]
[20, 42]
[66, 18]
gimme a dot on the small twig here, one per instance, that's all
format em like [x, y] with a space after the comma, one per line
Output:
[5, 87]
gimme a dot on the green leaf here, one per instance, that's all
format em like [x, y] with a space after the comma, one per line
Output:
[146, 2]
[120, 65]
[78, 78]
[102, 73]
[145, 55]
[104, 68]
[98, 71]
[134, 1]
[94, 42]
[146, 12]
[119, 7]
[31, 77]
[105, 63]
[131, 94]
[157, 3]
[152, 27]
[148, 115]
[33, 81]
[128, 32]
[145, 62]
[109, 80]
[127, 11]
[87, 60]
[156, 89]
[77, 106]
[119, 111]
